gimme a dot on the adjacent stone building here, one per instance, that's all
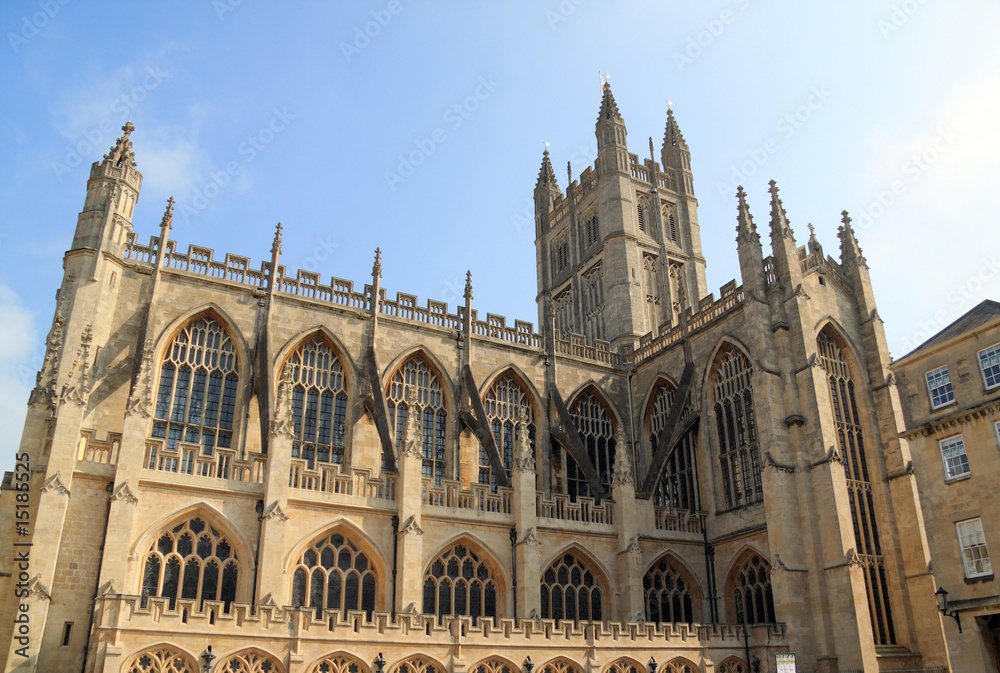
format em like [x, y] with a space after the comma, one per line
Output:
[950, 388]
[269, 471]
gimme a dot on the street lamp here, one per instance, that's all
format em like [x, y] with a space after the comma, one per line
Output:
[652, 665]
[209, 658]
[379, 663]
[942, 601]
[528, 664]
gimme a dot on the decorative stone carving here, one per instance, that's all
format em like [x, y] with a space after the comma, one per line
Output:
[124, 493]
[530, 538]
[274, 512]
[622, 473]
[411, 527]
[141, 400]
[411, 444]
[55, 483]
[633, 550]
[524, 460]
[107, 589]
[37, 588]
[76, 390]
[45, 382]
[282, 423]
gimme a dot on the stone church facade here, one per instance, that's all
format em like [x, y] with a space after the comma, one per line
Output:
[265, 471]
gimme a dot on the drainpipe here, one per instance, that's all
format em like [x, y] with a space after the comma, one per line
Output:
[513, 564]
[395, 543]
[256, 558]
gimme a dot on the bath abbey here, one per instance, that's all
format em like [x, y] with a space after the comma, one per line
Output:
[233, 466]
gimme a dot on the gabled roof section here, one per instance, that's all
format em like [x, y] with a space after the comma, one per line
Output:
[983, 313]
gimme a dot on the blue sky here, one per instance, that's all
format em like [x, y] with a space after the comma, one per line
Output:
[419, 127]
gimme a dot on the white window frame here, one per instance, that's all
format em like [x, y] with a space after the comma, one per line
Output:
[945, 458]
[980, 559]
[942, 378]
[993, 352]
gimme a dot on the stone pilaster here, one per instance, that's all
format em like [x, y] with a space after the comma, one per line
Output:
[629, 553]
[274, 525]
[409, 496]
[526, 521]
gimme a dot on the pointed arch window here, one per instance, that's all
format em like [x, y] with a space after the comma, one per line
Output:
[651, 285]
[430, 410]
[590, 230]
[571, 591]
[625, 666]
[338, 663]
[192, 560]
[752, 598]
[418, 665]
[642, 212]
[667, 594]
[847, 415]
[249, 662]
[334, 574]
[196, 397]
[677, 490]
[460, 583]
[161, 659]
[319, 403]
[733, 665]
[503, 404]
[560, 666]
[680, 666]
[494, 665]
[597, 432]
[739, 450]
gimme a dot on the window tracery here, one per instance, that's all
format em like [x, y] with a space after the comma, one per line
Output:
[733, 665]
[678, 486]
[334, 574]
[339, 663]
[847, 416]
[192, 560]
[680, 666]
[503, 403]
[625, 666]
[161, 659]
[196, 397]
[570, 591]
[590, 230]
[249, 662]
[562, 304]
[418, 665]
[495, 665]
[319, 403]
[752, 597]
[667, 594]
[651, 284]
[593, 303]
[430, 410]
[460, 583]
[642, 211]
[737, 430]
[597, 432]
[560, 666]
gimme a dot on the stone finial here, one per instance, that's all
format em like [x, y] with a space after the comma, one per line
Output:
[77, 387]
[121, 153]
[849, 248]
[623, 464]
[45, 381]
[780, 227]
[546, 175]
[524, 459]
[468, 285]
[377, 266]
[814, 245]
[746, 230]
[276, 243]
[141, 400]
[167, 223]
[672, 136]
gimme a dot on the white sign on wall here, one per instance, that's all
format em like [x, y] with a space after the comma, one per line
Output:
[785, 662]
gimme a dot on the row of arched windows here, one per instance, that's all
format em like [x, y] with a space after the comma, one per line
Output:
[194, 560]
[168, 659]
[198, 383]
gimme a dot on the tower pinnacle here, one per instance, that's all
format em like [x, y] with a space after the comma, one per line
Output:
[779, 218]
[276, 244]
[546, 175]
[168, 216]
[849, 248]
[121, 153]
[609, 108]
[672, 136]
[746, 230]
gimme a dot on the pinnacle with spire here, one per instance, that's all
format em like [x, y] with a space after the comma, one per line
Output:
[167, 223]
[849, 248]
[546, 175]
[121, 153]
[746, 230]
[779, 218]
[276, 244]
[672, 136]
[468, 285]
[609, 108]
[377, 266]
[814, 245]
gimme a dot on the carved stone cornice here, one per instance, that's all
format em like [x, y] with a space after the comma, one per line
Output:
[411, 527]
[832, 456]
[530, 538]
[770, 462]
[275, 512]
[124, 494]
